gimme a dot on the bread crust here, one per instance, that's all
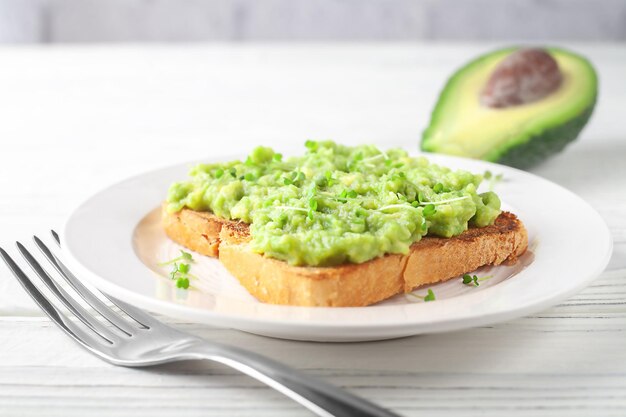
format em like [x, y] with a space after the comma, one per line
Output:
[196, 230]
[430, 260]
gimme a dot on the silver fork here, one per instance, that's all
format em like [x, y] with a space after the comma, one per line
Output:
[146, 341]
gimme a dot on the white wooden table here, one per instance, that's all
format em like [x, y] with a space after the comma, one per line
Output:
[73, 119]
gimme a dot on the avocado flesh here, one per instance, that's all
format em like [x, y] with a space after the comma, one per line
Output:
[519, 136]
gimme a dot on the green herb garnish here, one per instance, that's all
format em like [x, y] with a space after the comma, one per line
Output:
[474, 280]
[430, 296]
[174, 271]
[180, 270]
[429, 210]
[182, 283]
[312, 207]
[311, 145]
[184, 256]
[294, 177]
[470, 280]
[329, 178]
[493, 179]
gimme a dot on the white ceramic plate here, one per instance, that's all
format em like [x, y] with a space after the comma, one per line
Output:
[114, 241]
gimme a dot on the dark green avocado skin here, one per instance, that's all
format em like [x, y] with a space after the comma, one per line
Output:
[543, 146]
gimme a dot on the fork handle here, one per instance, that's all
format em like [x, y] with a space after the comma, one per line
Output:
[321, 398]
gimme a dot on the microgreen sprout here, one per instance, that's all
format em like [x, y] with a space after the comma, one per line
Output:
[429, 207]
[293, 177]
[440, 188]
[182, 275]
[382, 154]
[183, 268]
[291, 208]
[182, 283]
[470, 280]
[184, 256]
[329, 178]
[493, 179]
[474, 279]
[373, 158]
[312, 207]
[180, 269]
[429, 210]
[393, 206]
[355, 160]
[277, 157]
[174, 271]
[430, 296]
[450, 200]
[345, 194]
[311, 145]
[219, 173]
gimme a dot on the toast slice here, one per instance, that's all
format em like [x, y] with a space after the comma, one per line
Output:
[431, 260]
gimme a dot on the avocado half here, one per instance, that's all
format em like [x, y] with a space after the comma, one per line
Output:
[521, 135]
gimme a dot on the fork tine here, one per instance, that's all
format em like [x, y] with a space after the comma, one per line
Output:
[136, 314]
[55, 235]
[67, 300]
[139, 316]
[87, 339]
[85, 293]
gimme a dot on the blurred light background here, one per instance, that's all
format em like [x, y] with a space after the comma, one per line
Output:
[51, 21]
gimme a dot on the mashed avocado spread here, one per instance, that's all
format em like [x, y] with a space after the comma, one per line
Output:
[337, 204]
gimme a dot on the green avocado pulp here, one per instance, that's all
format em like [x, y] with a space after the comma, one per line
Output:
[337, 204]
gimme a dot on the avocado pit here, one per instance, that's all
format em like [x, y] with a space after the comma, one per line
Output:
[525, 76]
